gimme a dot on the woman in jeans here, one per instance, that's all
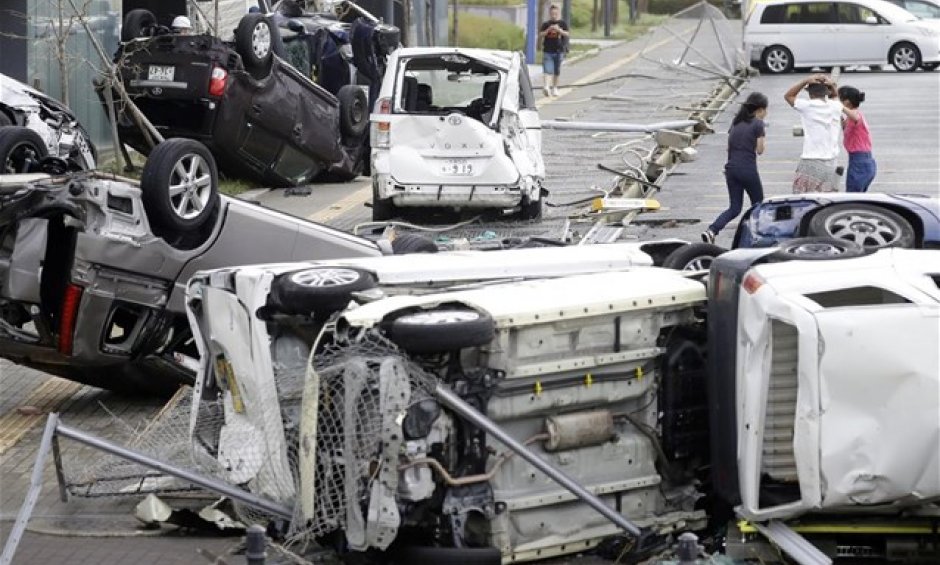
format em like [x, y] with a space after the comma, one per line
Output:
[857, 141]
[745, 143]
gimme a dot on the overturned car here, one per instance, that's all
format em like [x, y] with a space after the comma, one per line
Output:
[284, 103]
[400, 417]
[34, 126]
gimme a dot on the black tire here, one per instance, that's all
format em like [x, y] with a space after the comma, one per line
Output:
[319, 290]
[693, 257]
[444, 329]
[254, 42]
[382, 208]
[353, 111]
[196, 194]
[138, 23]
[530, 209]
[871, 227]
[817, 249]
[21, 150]
[410, 555]
[904, 57]
[777, 59]
[406, 243]
[5, 120]
[930, 66]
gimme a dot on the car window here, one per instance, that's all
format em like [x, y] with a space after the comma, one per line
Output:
[853, 13]
[922, 9]
[775, 14]
[443, 84]
[814, 13]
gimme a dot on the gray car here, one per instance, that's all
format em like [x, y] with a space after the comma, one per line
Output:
[93, 267]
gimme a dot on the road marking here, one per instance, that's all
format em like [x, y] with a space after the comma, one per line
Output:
[48, 397]
[615, 65]
[343, 205]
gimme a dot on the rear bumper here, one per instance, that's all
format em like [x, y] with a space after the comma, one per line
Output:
[450, 195]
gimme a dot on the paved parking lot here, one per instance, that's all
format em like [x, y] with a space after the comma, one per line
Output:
[904, 114]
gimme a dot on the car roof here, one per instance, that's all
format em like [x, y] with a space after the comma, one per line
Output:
[883, 7]
[493, 57]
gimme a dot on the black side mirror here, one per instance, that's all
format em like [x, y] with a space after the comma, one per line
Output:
[296, 26]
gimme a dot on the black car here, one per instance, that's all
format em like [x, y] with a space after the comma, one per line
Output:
[284, 103]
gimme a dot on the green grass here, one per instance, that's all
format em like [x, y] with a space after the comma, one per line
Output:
[491, 3]
[487, 33]
[581, 23]
[227, 186]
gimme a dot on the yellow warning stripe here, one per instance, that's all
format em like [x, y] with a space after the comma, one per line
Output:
[340, 207]
[912, 528]
[48, 397]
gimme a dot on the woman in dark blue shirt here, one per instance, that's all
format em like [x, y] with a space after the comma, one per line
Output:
[745, 143]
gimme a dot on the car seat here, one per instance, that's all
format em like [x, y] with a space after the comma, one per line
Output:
[409, 94]
[425, 98]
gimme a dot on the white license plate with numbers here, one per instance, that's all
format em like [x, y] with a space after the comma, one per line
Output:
[161, 73]
[457, 167]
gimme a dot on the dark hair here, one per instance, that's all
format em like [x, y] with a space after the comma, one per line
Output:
[852, 94]
[817, 90]
[755, 101]
[554, 7]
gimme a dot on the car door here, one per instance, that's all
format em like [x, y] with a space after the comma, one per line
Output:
[810, 33]
[519, 121]
[862, 34]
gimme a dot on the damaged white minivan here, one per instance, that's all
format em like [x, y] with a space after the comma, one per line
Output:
[800, 384]
[456, 128]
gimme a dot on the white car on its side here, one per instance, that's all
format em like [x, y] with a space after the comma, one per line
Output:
[783, 35]
[456, 128]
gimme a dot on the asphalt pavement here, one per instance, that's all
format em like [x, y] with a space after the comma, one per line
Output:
[903, 112]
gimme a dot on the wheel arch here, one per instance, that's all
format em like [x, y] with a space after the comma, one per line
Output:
[911, 216]
[902, 41]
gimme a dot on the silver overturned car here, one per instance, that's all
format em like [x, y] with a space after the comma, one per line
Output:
[93, 267]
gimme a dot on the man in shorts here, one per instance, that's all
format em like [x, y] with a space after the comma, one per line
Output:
[554, 35]
[821, 116]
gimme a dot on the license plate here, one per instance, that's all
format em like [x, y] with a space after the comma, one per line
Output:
[162, 73]
[457, 167]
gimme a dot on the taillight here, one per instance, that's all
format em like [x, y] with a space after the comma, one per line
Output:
[381, 131]
[217, 81]
[70, 303]
[752, 283]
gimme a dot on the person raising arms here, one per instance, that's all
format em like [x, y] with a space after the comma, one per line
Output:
[821, 116]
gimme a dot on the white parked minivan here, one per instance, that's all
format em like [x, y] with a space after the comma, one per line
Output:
[456, 128]
[783, 35]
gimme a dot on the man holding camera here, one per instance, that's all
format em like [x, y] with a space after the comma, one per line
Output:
[554, 35]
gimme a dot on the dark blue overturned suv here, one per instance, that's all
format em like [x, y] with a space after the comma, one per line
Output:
[285, 103]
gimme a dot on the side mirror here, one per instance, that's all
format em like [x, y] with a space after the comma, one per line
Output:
[871, 20]
[296, 26]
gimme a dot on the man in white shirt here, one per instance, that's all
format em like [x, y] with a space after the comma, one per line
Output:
[821, 115]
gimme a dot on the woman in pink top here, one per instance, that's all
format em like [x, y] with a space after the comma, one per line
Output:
[857, 141]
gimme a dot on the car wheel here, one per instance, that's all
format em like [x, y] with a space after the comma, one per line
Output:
[319, 290]
[405, 243]
[777, 59]
[693, 257]
[179, 186]
[930, 66]
[138, 23]
[254, 41]
[444, 329]
[818, 249]
[530, 209]
[353, 111]
[863, 224]
[21, 150]
[905, 57]
[5, 120]
[382, 208]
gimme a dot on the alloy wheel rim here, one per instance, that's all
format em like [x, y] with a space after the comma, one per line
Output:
[261, 40]
[21, 153]
[865, 229]
[818, 249]
[190, 186]
[777, 60]
[904, 58]
[700, 263]
[321, 278]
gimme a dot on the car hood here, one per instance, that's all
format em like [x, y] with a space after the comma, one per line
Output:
[18, 95]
